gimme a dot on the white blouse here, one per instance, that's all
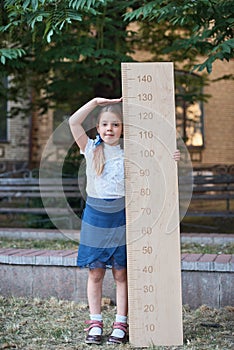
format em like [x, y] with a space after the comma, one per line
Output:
[110, 184]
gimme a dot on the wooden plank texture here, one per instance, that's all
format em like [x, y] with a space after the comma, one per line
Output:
[152, 208]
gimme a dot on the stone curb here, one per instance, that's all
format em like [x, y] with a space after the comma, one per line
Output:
[39, 234]
[207, 279]
[207, 238]
[189, 262]
[29, 233]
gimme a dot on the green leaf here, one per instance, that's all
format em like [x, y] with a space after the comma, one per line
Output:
[26, 3]
[5, 28]
[103, 61]
[34, 4]
[49, 35]
[209, 66]
[81, 4]
[3, 59]
[62, 24]
[11, 54]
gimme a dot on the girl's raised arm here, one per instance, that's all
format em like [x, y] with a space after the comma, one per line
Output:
[76, 120]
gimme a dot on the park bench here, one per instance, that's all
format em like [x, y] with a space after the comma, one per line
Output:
[23, 196]
[213, 195]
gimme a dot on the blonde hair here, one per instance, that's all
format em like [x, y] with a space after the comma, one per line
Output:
[98, 154]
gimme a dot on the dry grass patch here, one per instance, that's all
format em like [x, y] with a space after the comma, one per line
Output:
[54, 324]
[227, 248]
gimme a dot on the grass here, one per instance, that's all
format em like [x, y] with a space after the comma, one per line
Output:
[37, 244]
[69, 244]
[207, 249]
[55, 324]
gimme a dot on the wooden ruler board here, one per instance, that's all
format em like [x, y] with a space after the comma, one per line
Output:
[152, 206]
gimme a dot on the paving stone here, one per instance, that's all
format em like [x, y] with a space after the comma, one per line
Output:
[70, 259]
[183, 256]
[223, 258]
[190, 262]
[223, 262]
[205, 262]
[4, 258]
[24, 257]
[43, 258]
[231, 264]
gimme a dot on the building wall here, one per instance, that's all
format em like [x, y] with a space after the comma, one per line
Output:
[42, 128]
[15, 151]
[219, 117]
[27, 138]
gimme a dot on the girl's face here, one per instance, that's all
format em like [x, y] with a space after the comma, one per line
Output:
[110, 128]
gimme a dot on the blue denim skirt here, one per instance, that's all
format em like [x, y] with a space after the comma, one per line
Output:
[103, 233]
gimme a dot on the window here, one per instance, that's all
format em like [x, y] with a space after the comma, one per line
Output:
[189, 109]
[3, 110]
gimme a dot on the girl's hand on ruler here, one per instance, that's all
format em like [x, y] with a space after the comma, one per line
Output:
[106, 101]
[176, 155]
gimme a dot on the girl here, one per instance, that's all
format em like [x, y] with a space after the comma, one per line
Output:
[102, 240]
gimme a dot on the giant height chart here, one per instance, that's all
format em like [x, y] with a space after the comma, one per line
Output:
[152, 207]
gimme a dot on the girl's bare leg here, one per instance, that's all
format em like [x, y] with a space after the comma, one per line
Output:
[94, 290]
[120, 277]
[119, 333]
